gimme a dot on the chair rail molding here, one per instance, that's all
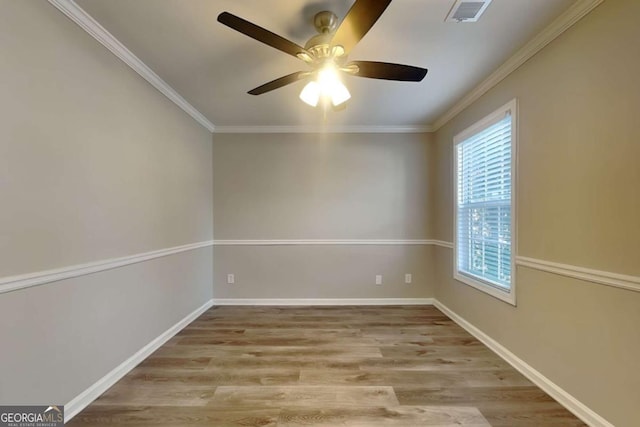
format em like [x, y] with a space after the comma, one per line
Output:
[586, 274]
[617, 280]
[289, 242]
[14, 283]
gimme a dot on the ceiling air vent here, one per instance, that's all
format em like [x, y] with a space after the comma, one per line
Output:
[467, 10]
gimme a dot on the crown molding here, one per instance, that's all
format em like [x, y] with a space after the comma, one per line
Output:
[324, 129]
[565, 21]
[98, 32]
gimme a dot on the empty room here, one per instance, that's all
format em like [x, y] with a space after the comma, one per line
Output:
[353, 213]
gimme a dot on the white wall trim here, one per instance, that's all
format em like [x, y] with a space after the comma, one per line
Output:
[13, 283]
[323, 301]
[596, 276]
[616, 280]
[443, 244]
[288, 242]
[97, 31]
[83, 400]
[578, 408]
[324, 129]
[561, 24]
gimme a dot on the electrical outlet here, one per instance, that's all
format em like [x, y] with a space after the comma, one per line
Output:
[378, 279]
[407, 278]
[231, 279]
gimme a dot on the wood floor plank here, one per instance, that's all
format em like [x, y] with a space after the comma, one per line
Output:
[434, 363]
[474, 378]
[466, 396]
[267, 351]
[392, 366]
[400, 416]
[266, 376]
[291, 341]
[501, 406]
[531, 415]
[303, 396]
[290, 362]
[173, 416]
[176, 362]
[300, 332]
[450, 329]
[157, 394]
[433, 350]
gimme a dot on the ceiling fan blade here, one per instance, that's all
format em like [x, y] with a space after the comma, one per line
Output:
[358, 21]
[388, 71]
[278, 83]
[260, 34]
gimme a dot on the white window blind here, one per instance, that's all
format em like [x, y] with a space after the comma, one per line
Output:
[484, 205]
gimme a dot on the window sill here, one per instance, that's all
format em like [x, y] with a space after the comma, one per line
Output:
[506, 296]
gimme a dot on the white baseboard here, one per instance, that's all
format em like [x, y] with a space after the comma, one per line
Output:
[324, 301]
[579, 409]
[83, 400]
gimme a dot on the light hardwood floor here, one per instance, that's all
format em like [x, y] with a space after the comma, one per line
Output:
[324, 366]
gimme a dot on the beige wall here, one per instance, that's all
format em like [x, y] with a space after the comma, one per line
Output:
[94, 164]
[578, 204]
[317, 272]
[322, 186]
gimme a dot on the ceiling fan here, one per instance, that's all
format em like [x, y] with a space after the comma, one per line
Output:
[326, 53]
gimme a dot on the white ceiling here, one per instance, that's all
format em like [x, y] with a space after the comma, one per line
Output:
[213, 67]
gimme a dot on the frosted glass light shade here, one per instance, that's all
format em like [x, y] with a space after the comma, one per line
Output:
[339, 94]
[328, 86]
[311, 93]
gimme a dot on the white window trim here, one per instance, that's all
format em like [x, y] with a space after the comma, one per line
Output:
[508, 296]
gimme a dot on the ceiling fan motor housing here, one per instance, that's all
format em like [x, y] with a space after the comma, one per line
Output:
[319, 46]
[325, 22]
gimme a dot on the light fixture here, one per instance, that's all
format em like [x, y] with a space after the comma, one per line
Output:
[327, 86]
[311, 93]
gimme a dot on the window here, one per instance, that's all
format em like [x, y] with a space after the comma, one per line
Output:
[484, 244]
